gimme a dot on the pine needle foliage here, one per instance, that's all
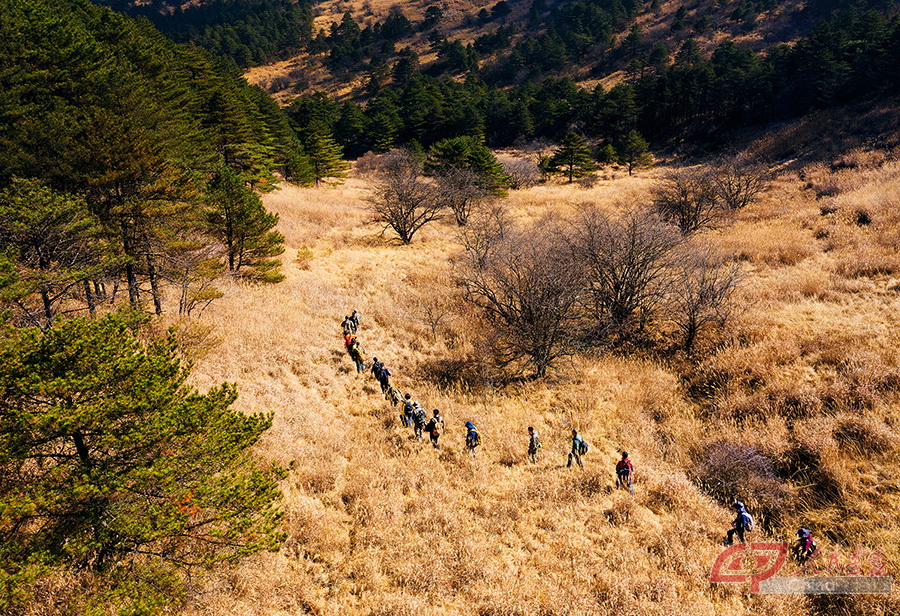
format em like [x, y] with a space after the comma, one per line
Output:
[112, 464]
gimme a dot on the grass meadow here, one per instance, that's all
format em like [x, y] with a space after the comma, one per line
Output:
[793, 405]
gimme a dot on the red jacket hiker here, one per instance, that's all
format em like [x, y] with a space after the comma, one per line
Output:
[624, 472]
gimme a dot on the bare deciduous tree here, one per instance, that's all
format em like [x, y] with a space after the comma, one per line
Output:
[701, 292]
[626, 262]
[738, 182]
[403, 200]
[461, 191]
[522, 172]
[688, 199]
[486, 231]
[527, 290]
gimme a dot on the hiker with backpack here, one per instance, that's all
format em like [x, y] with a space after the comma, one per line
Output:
[350, 324]
[419, 418]
[805, 547]
[624, 473]
[435, 428]
[394, 397]
[742, 523]
[406, 417]
[472, 438]
[534, 444]
[377, 367]
[579, 448]
[356, 354]
[384, 378]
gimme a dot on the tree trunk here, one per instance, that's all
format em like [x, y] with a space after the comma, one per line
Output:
[82, 450]
[134, 290]
[48, 306]
[89, 296]
[154, 286]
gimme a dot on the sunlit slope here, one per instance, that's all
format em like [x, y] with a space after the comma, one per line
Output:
[380, 524]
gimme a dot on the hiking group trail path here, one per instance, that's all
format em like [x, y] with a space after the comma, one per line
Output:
[374, 517]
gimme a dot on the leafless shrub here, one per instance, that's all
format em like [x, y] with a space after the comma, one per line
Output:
[522, 172]
[486, 230]
[729, 471]
[738, 182]
[688, 199]
[403, 200]
[461, 191]
[626, 262]
[527, 290]
[700, 294]
[369, 163]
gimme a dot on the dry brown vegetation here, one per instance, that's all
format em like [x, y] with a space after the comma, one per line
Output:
[794, 408]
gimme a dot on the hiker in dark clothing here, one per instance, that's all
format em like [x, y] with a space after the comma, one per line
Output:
[805, 547]
[579, 448]
[534, 444]
[419, 419]
[356, 354]
[472, 438]
[354, 320]
[435, 428]
[384, 378]
[377, 367]
[624, 473]
[742, 523]
[406, 417]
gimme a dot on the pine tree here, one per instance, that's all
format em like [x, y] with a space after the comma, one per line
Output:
[325, 157]
[58, 247]
[113, 464]
[634, 151]
[573, 158]
[468, 153]
[238, 218]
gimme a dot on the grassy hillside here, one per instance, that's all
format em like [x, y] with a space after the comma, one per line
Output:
[805, 384]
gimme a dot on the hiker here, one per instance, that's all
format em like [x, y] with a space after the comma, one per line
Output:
[624, 473]
[472, 438]
[377, 367]
[805, 547]
[348, 341]
[384, 378]
[350, 324]
[435, 428]
[356, 354]
[579, 448]
[419, 418]
[534, 443]
[406, 417]
[394, 396]
[742, 523]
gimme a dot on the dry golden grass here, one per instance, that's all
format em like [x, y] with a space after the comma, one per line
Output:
[379, 524]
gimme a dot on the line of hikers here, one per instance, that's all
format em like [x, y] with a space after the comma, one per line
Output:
[413, 415]
[802, 550]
